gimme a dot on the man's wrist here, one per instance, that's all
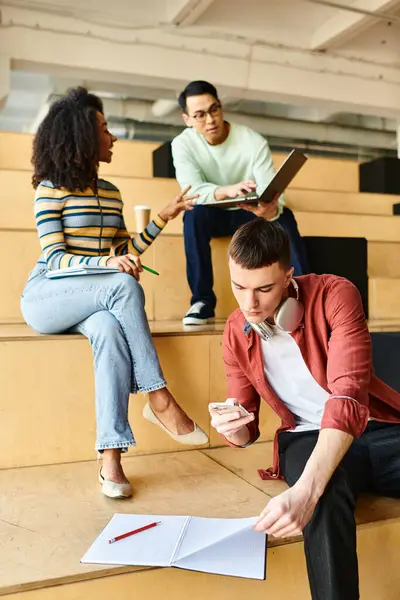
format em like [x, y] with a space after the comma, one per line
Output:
[270, 215]
[274, 216]
[220, 193]
[240, 438]
[313, 485]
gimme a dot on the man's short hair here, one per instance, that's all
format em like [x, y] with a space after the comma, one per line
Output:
[196, 88]
[260, 243]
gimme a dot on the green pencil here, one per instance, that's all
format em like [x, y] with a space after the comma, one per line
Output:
[150, 270]
[147, 269]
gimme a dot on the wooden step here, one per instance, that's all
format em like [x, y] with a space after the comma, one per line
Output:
[134, 158]
[383, 259]
[388, 325]
[322, 201]
[51, 515]
[384, 294]
[191, 360]
[17, 199]
[18, 215]
[168, 295]
[129, 158]
[372, 227]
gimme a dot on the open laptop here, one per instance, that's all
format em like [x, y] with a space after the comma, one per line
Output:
[286, 172]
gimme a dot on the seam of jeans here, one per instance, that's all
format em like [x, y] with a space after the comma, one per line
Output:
[135, 378]
[69, 291]
[107, 445]
[109, 301]
[154, 388]
[134, 372]
[102, 446]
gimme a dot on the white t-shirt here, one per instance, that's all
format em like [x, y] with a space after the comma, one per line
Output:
[290, 378]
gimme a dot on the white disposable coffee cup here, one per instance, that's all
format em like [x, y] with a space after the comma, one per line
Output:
[142, 216]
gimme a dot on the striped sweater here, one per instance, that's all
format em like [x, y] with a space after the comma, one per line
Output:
[83, 227]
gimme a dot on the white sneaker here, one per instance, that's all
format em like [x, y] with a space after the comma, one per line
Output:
[199, 313]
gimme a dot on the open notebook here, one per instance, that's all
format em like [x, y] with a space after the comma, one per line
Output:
[220, 546]
[80, 270]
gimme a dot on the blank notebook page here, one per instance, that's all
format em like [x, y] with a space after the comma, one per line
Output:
[241, 554]
[202, 532]
[153, 547]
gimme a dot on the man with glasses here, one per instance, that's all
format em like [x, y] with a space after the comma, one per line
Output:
[221, 160]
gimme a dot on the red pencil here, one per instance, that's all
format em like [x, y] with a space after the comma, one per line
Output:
[124, 535]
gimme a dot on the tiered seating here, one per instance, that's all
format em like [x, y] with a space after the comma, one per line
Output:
[323, 186]
[51, 507]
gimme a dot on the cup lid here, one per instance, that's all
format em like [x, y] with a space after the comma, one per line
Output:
[142, 207]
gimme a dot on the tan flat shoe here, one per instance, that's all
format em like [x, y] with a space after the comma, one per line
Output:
[115, 490]
[196, 438]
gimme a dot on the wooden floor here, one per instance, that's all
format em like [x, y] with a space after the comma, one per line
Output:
[57, 511]
[51, 514]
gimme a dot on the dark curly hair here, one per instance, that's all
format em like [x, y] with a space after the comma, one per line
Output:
[65, 148]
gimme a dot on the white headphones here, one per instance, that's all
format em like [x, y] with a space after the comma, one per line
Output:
[287, 316]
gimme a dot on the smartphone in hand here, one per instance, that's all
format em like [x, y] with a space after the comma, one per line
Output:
[222, 408]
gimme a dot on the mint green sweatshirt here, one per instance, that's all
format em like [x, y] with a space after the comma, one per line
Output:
[244, 154]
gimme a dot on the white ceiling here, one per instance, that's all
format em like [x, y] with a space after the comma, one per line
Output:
[362, 36]
[289, 23]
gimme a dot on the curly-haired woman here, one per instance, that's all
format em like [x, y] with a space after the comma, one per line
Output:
[79, 221]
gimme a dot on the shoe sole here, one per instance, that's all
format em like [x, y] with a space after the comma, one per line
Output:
[194, 321]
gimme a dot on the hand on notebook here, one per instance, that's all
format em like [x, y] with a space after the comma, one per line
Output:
[287, 514]
[266, 211]
[128, 263]
[178, 205]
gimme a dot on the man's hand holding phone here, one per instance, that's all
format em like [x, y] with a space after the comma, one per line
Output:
[230, 419]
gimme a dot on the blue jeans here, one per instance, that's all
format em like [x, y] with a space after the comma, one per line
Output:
[204, 223]
[109, 311]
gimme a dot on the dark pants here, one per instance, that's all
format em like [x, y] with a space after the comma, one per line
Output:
[204, 223]
[372, 465]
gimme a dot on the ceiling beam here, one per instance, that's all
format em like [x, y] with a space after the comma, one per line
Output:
[141, 111]
[186, 12]
[42, 43]
[162, 107]
[349, 21]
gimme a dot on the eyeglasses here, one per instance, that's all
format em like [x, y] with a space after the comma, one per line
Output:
[201, 115]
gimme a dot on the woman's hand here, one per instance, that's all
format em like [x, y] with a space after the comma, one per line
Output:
[128, 263]
[178, 204]
[265, 210]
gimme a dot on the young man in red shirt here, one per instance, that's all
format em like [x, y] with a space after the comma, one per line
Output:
[303, 346]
